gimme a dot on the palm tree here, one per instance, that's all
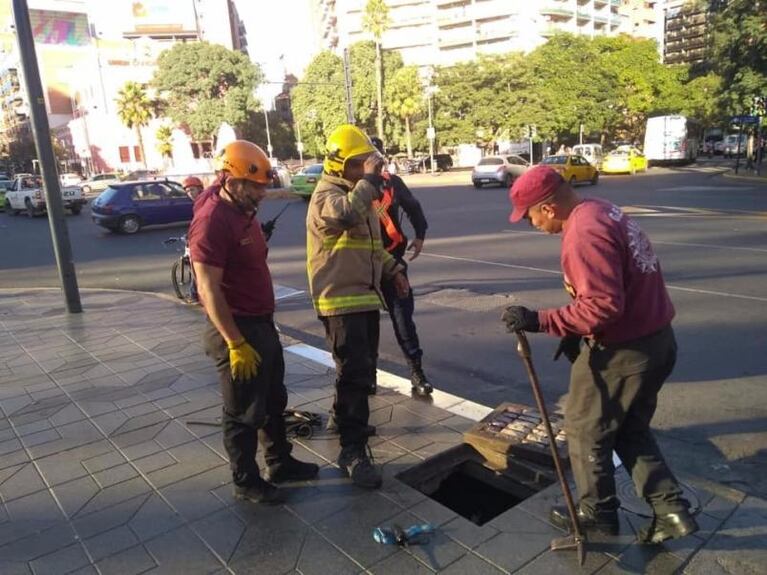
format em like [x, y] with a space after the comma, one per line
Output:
[405, 98]
[135, 110]
[164, 136]
[376, 21]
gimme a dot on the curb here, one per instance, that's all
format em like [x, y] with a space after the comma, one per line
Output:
[731, 175]
[443, 400]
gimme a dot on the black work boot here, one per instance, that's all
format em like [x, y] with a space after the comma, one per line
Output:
[258, 491]
[357, 462]
[420, 385]
[668, 526]
[605, 522]
[373, 389]
[291, 469]
[332, 427]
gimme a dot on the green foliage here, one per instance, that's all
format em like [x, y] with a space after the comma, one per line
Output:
[135, 110]
[740, 53]
[376, 18]
[164, 137]
[404, 98]
[362, 59]
[280, 132]
[205, 85]
[319, 102]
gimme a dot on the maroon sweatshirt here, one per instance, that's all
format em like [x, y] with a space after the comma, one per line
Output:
[613, 275]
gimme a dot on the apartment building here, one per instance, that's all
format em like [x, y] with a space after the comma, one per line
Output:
[644, 19]
[686, 32]
[443, 32]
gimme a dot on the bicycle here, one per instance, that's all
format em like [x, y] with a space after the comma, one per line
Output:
[181, 272]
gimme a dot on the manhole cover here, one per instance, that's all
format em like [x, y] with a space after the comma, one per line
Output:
[634, 504]
[467, 300]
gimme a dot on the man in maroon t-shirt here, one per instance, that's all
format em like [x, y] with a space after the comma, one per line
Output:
[228, 252]
[622, 312]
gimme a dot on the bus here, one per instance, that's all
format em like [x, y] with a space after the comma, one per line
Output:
[671, 139]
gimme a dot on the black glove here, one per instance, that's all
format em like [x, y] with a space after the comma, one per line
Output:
[268, 228]
[570, 347]
[519, 318]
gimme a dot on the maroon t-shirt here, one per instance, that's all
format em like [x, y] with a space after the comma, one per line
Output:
[223, 237]
[613, 275]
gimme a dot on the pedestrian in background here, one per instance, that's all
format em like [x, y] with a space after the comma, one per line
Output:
[396, 195]
[622, 312]
[228, 252]
[345, 263]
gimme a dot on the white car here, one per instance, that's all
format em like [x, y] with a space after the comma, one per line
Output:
[499, 170]
[70, 179]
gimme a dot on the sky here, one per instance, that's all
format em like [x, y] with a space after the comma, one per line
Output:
[278, 28]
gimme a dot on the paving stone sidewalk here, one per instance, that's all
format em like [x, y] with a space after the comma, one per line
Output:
[109, 464]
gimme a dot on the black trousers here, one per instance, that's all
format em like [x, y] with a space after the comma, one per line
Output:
[353, 340]
[401, 314]
[612, 399]
[253, 409]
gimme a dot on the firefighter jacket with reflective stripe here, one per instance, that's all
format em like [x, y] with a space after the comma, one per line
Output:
[345, 258]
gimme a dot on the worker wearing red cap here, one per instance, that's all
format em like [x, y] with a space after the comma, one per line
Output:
[617, 333]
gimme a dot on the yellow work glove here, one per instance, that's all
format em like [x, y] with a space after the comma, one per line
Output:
[243, 359]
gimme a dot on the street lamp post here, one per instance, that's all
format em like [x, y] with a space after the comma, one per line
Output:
[268, 135]
[431, 132]
[299, 144]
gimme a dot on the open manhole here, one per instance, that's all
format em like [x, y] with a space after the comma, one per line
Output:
[462, 480]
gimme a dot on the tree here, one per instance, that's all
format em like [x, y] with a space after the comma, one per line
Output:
[205, 85]
[135, 110]
[405, 98]
[376, 21]
[318, 102]
[362, 58]
[740, 53]
[164, 136]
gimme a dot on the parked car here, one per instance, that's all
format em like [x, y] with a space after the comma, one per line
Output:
[137, 175]
[70, 179]
[624, 160]
[126, 207]
[5, 184]
[27, 194]
[735, 144]
[99, 183]
[281, 177]
[306, 180]
[592, 153]
[501, 170]
[573, 168]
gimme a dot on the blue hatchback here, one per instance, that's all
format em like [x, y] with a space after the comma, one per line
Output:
[126, 207]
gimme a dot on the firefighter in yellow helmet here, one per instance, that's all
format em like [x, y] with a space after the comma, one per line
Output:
[228, 252]
[345, 263]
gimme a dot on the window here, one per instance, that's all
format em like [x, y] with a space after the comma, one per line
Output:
[176, 191]
[491, 162]
[137, 154]
[124, 154]
[147, 192]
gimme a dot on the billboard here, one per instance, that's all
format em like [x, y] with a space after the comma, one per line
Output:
[161, 16]
[59, 28]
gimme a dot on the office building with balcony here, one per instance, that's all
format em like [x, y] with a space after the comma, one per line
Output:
[443, 32]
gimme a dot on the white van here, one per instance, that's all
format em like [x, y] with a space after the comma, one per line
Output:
[592, 152]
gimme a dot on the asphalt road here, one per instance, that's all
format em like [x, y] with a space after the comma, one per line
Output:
[709, 232]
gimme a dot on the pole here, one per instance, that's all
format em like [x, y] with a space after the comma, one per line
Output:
[41, 130]
[737, 157]
[431, 137]
[268, 135]
[299, 144]
[530, 138]
[348, 86]
[575, 541]
[580, 135]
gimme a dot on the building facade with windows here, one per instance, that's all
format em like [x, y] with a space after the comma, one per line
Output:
[89, 49]
[443, 32]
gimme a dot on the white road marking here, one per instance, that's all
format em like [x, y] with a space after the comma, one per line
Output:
[557, 272]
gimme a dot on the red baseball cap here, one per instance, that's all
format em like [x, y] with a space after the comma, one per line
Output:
[532, 187]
